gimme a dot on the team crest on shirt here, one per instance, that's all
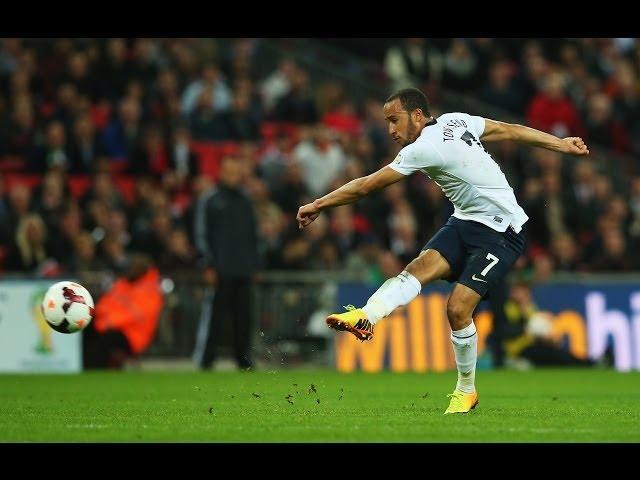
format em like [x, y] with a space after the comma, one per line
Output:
[398, 159]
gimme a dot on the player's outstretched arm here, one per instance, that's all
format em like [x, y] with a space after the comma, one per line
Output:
[495, 131]
[348, 193]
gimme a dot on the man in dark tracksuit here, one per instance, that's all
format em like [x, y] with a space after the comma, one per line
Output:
[226, 235]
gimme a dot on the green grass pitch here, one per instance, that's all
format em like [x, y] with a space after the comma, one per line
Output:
[318, 406]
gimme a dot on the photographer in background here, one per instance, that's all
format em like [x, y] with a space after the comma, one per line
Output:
[527, 334]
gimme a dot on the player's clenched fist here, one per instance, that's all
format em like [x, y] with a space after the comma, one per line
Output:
[307, 214]
[575, 146]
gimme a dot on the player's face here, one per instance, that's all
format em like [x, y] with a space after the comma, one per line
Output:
[403, 127]
[231, 172]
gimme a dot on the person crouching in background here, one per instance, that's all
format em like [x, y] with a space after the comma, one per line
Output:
[126, 317]
[528, 339]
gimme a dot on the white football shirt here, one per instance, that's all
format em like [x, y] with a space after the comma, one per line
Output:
[450, 153]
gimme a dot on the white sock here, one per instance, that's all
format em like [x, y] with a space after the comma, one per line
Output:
[393, 293]
[465, 346]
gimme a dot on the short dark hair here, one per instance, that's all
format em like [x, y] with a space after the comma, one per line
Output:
[411, 98]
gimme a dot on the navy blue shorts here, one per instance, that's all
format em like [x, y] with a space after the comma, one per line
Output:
[478, 255]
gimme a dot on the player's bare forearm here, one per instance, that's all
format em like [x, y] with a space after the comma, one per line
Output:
[536, 138]
[348, 193]
[495, 131]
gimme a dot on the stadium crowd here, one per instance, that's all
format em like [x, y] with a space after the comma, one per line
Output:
[106, 145]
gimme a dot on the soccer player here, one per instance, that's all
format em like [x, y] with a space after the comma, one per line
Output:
[480, 241]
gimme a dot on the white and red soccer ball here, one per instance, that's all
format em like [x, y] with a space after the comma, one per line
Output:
[68, 307]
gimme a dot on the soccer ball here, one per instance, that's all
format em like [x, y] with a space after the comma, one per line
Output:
[67, 307]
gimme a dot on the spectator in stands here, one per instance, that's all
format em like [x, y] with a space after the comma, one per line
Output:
[278, 83]
[270, 234]
[566, 256]
[21, 129]
[5, 212]
[534, 67]
[552, 111]
[343, 119]
[243, 124]
[211, 80]
[275, 158]
[542, 268]
[390, 266]
[165, 96]
[402, 228]
[500, 91]
[242, 58]
[263, 206]
[96, 218]
[29, 250]
[602, 127]
[296, 251]
[79, 74]
[118, 228]
[426, 200]
[460, 67]
[104, 190]
[618, 208]
[113, 71]
[153, 239]
[489, 52]
[19, 206]
[20, 84]
[178, 255]
[322, 160]
[150, 156]
[63, 237]
[375, 128]
[413, 60]
[123, 132]
[549, 208]
[298, 105]
[326, 255]
[602, 191]
[291, 189]
[343, 230]
[615, 255]
[113, 254]
[9, 54]
[205, 122]
[84, 258]
[183, 162]
[627, 103]
[634, 206]
[65, 105]
[85, 145]
[582, 199]
[49, 199]
[365, 260]
[54, 153]
[146, 60]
